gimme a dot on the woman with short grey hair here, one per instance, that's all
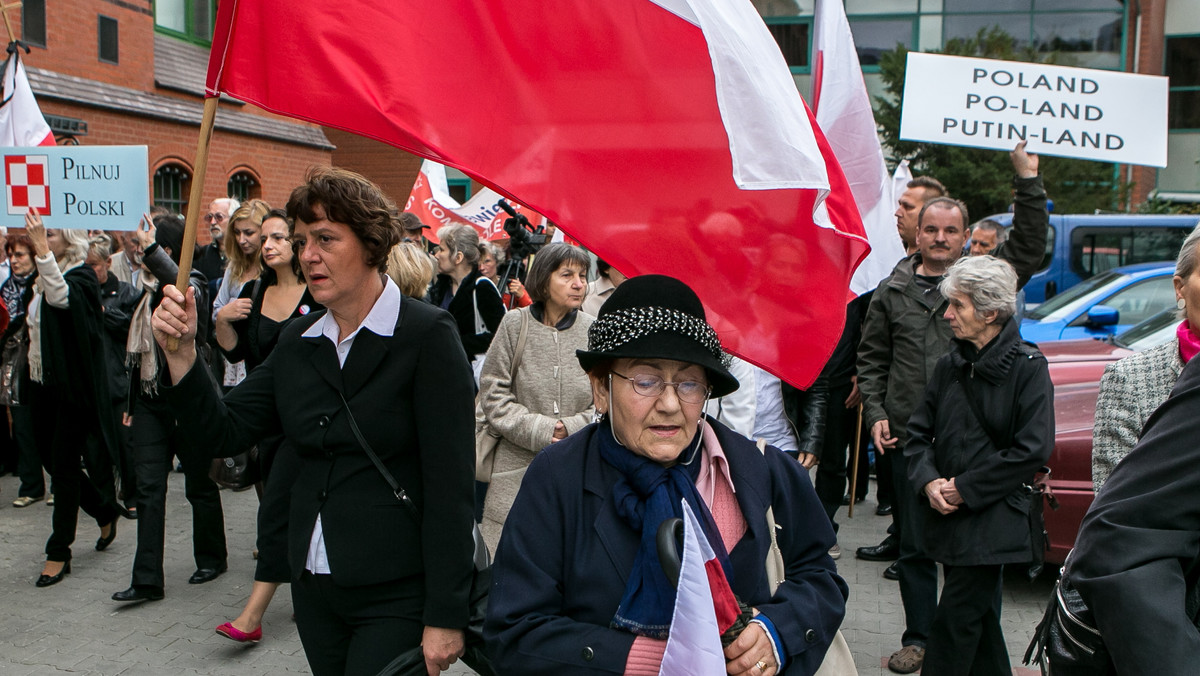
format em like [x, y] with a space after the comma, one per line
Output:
[989, 282]
[983, 429]
[472, 299]
[1134, 387]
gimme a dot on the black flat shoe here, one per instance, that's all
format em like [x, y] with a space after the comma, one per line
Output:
[888, 550]
[47, 580]
[139, 594]
[102, 543]
[884, 510]
[891, 572]
[206, 575]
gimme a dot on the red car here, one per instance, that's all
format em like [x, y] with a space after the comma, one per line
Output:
[1075, 368]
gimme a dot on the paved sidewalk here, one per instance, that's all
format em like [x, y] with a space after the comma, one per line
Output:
[74, 627]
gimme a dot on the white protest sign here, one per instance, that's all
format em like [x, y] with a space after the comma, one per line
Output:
[76, 187]
[1071, 112]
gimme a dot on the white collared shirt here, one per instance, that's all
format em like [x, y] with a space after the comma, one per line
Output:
[381, 321]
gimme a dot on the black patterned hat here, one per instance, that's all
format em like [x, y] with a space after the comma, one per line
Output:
[657, 317]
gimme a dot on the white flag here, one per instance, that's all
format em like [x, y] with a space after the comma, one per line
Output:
[844, 113]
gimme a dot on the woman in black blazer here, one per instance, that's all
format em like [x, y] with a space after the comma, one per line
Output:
[369, 580]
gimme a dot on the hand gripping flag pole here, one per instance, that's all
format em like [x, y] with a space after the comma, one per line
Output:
[194, 206]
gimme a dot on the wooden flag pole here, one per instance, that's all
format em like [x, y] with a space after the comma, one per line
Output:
[854, 461]
[12, 37]
[194, 206]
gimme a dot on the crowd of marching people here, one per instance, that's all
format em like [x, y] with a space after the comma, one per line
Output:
[409, 402]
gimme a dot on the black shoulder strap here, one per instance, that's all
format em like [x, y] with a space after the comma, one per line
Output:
[397, 490]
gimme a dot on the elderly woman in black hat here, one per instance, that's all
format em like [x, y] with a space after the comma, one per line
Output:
[578, 587]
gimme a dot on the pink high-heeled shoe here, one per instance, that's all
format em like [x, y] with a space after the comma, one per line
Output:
[233, 633]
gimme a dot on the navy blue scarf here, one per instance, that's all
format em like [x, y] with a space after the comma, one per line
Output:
[647, 495]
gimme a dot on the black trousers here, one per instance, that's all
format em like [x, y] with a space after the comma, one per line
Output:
[831, 470]
[29, 458]
[155, 443]
[966, 639]
[9, 456]
[284, 466]
[918, 572]
[61, 431]
[356, 631]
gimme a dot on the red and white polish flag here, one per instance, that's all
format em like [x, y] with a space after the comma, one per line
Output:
[667, 136]
[844, 113]
[431, 202]
[704, 607]
[21, 121]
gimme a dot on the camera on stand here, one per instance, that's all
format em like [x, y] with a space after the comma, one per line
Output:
[524, 239]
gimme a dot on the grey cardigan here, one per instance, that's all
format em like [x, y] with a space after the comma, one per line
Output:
[1130, 391]
[550, 386]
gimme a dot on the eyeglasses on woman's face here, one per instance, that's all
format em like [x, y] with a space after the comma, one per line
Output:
[650, 385]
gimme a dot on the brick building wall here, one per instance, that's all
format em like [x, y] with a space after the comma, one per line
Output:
[71, 41]
[137, 101]
[1149, 61]
[392, 169]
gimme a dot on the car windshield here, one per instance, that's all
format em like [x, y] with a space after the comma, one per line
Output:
[1065, 303]
[1150, 333]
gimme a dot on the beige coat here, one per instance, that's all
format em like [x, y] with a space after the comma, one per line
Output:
[549, 387]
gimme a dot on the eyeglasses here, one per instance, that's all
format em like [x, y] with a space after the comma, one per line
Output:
[690, 391]
[214, 217]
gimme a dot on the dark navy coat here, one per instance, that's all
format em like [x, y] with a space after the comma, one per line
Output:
[565, 555]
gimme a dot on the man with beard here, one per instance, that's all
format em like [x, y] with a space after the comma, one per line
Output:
[904, 335]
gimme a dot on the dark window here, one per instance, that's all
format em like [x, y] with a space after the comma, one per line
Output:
[190, 19]
[989, 6]
[460, 189]
[203, 13]
[108, 38]
[171, 183]
[1183, 68]
[1018, 26]
[1051, 5]
[873, 37]
[33, 22]
[1095, 250]
[793, 39]
[1087, 39]
[242, 186]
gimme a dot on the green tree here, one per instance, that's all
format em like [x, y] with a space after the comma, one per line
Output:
[982, 178]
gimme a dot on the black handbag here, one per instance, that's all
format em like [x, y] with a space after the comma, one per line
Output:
[12, 367]
[238, 472]
[1067, 642]
[413, 661]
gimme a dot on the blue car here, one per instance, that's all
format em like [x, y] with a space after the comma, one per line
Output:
[1103, 305]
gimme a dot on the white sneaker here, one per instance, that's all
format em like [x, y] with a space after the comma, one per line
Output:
[835, 552]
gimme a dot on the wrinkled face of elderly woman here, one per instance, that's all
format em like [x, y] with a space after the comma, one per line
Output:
[656, 405]
[966, 322]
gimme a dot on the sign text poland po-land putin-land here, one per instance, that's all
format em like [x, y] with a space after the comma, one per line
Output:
[76, 187]
[1071, 112]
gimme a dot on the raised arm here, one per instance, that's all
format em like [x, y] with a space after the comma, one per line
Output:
[1026, 244]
